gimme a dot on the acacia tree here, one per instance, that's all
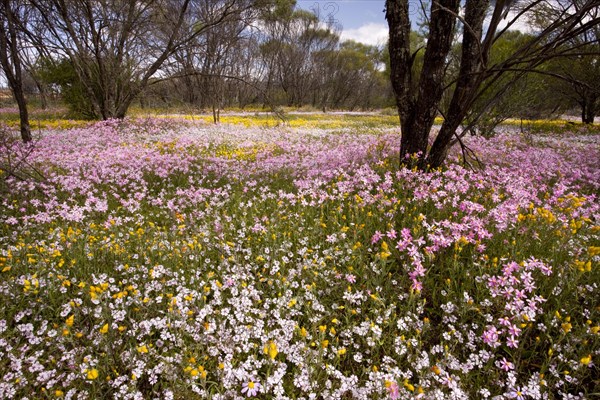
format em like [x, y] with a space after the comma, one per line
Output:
[481, 21]
[118, 46]
[10, 59]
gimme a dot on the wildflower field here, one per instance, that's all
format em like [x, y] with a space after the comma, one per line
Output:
[173, 259]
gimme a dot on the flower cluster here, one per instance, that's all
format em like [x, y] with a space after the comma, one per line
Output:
[170, 259]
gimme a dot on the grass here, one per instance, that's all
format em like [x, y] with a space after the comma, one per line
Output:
[172, 259]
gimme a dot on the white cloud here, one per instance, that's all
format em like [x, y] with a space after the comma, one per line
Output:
[520, 24]
[372, 33]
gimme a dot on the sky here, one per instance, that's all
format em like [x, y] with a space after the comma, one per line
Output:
[361, 20]
[364, 20]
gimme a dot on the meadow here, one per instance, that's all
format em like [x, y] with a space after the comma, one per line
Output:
[168, 258]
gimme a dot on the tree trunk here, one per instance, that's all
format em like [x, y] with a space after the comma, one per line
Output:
[42, 90]
[23, 115]
[417, 109]
[11, 64]
[469, 79]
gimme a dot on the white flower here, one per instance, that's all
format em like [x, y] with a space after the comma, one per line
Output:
[251, 388]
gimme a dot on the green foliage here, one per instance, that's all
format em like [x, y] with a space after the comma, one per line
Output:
[62, 75]
[579, 87]
[515, 95]
[274, 10]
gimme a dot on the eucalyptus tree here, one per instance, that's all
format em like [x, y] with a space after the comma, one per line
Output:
[292, 39]
[350, 77]
[118, 47]
[482, 23]
[577, 75]
[208, 63]
[577, 81]
[522, 96]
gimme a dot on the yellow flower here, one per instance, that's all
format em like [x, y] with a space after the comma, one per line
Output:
[142, 349]
[104, 329]
[70, 320]
[341, 351]
[385, 253]
[92, 374]
[586, 360]
[59, 393]
[566, 327]
[271, 349]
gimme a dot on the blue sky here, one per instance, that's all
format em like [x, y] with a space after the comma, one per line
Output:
[362, 20]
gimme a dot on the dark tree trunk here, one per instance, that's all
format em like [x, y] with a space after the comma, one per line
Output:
[11, 64]
[23, 115]
[419, 104]
[418, 107]
[469, 79]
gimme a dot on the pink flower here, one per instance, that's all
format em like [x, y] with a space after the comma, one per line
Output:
[393, 389]
[513, 330]
[416, 285]
[376, 237]
[490, 336]
[505, 364]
